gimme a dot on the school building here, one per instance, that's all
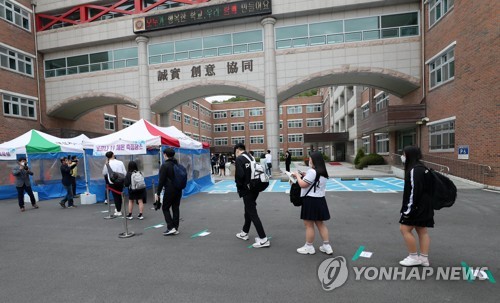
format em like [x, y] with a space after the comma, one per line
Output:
[420, 72]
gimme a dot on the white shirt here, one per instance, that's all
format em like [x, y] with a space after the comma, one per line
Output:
[269, 158]
[116, 166]
[320, 185]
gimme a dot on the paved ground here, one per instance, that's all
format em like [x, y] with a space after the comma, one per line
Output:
[74, 255]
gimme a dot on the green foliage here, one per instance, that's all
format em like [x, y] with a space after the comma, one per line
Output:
[359, 155]
[371, 159]
[309, 93]
[325, 157]
[237, 98]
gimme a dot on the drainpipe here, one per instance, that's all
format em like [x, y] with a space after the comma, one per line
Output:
[33, 6]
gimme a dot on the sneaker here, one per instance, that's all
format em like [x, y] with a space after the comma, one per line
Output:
[129, 216]
[22, 209]
[170, 232]
[326, 248]
[409, 261]
[306, 250]
[34, 206]
[118, 214]
[140, 217]
[176, 231]
[72, 206]
[242, 235]
[425, 261]
[63, 205]
[259, 243]
[105, 201]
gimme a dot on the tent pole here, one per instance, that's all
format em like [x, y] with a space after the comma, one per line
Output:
[85, 171]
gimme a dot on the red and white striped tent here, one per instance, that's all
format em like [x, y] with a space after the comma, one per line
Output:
[152, 135]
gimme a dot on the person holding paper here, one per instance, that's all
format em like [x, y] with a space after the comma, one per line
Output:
[23, 183]
[314, 209]
[66, 167]
[172, 196]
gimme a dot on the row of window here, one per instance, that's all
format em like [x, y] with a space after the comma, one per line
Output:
[114, 59]
[16, 61]
[212, 46]
[110, 122]
[239, 113]
[15, 14]
[348, 30]
[16, 106]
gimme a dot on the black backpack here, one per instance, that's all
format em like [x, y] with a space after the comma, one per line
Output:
[295, 189]
[443, 192]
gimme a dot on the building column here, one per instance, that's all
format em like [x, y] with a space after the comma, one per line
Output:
[271, 94]
[144, 94]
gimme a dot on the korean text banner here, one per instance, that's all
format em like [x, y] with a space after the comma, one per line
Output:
[121, 148]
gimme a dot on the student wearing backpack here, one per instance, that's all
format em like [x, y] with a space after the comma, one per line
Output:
[242, 178]
[134, 180]
[417, 211]
[314, 209]
[116, 166]
[172, 195]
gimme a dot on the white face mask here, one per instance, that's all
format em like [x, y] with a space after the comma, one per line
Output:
[403, 159]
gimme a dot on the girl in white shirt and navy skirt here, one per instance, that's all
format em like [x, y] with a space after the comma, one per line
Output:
[314, 209]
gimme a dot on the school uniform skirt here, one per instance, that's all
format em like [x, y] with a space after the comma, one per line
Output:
[314, 209]
[137, 194]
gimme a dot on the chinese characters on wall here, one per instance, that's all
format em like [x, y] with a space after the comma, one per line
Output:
[208, 70]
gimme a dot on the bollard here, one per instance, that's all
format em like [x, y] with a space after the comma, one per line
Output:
[125, 234]
[110, 215]
[154, 201]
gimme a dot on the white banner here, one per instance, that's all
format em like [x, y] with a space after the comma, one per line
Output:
[121, 148]
[7, 154]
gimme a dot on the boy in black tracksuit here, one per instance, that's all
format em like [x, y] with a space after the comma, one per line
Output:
[242, 178]
[171, 196]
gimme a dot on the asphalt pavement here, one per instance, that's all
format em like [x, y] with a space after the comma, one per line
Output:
[52, 254]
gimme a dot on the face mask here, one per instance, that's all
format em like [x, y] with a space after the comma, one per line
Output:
[403, 159]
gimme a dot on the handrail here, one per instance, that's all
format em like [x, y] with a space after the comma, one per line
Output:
[440, 165]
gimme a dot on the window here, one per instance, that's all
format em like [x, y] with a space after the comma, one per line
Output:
[15, 14]
[381, 101]
[187, 119]
[256, 125]
[109, 122]
[314, 122]
[176, 116]
[281, 138]
[366, 144]
[281, 110]
[218, 128]
[296, 152]
[196, 122]
[18, 106]
[237, 127]
[316, 108]
[281, 124]
[220, 141]
[256, 112]
[442, 69]
[295, 138]
[256, 139]
[196, 137]
[294, 110]
[237, 113]
[194, 106]
[382, 143]
[127, 122]
[220, 114]
[295, 123]
[93, 62]
[365, 110]
[16, 61]
[438, 8]
[236, 140]
[442, 136]
[205, 111]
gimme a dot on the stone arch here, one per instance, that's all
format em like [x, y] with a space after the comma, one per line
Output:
[177, 96]
[389, 80]
[76, 106]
